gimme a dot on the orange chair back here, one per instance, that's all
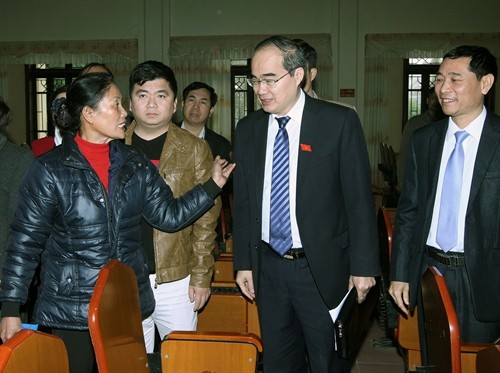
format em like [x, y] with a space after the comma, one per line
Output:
[33, 351]
[115, 321]
[440, 323]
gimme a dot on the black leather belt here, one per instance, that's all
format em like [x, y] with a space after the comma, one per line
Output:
[452, 260]
[294, 254]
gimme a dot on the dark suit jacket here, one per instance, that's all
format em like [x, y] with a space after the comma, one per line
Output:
[218, 144]
[482, 221]
[334, 208]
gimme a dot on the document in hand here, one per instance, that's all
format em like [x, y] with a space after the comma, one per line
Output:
[351, 321]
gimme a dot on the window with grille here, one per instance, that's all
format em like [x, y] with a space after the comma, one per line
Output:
[41, 82]
[244, 100]
[420, 74]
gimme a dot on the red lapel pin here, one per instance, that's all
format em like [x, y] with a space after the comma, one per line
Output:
[305, 147]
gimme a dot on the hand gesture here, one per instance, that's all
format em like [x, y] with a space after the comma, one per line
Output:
[221, 170]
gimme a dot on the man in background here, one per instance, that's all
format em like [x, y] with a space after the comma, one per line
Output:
[198, 105]
[311, 70]
[14, 162]
[95, 67]
[432, 114]
[180, 264]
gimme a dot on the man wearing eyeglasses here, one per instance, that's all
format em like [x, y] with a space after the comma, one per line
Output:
[326, 233]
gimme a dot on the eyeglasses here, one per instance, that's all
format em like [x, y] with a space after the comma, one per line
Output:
[271, 83]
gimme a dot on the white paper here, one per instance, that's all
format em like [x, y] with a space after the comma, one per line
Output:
[334, 313]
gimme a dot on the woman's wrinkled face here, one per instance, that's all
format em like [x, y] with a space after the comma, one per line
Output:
[107, 122]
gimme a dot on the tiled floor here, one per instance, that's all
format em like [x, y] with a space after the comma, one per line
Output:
[373, 358]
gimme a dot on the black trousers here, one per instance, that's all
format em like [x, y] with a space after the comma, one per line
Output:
[296, 327]
[80, 350]
[471, 329]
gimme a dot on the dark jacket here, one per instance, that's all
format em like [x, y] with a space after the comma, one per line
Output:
[218, 144]
[66, 220]
[14, 162]
[334, 203]
[482, 218]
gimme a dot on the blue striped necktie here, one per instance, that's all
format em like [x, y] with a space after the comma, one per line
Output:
[447, 229]
[280, 229]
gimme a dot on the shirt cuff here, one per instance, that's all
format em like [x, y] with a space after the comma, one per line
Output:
[10, 309]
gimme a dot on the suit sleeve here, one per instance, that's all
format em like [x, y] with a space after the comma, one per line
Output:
[356, 185]
[242, 207]
[406, 220]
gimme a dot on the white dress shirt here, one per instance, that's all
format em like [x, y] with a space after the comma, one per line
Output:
[293, 130]
[470, 145]
[201, 135]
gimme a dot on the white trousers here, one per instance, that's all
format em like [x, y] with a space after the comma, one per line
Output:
[173, 311]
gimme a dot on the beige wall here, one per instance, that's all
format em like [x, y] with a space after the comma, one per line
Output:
[153, 22]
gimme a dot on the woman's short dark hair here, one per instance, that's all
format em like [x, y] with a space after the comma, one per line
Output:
[86, 90]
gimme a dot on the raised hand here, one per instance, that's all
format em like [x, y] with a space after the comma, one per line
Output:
[221, 170]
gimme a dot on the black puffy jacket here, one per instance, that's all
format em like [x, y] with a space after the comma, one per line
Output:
[66, 220]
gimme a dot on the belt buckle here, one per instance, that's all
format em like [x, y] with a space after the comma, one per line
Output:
[292, 254]
[442, 259]
[449, 260]
[446, 260]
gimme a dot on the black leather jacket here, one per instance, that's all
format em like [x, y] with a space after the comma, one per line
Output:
[66, 220]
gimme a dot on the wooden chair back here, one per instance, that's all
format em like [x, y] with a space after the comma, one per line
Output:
[115, 321]
[442, 332]
[224, 269]
[228, 311]
[210, 352]
[225, 222]
[33, 351]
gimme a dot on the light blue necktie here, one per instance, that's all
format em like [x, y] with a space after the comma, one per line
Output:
[447, 229]
[280, 228]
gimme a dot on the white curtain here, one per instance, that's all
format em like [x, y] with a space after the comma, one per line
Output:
[119, 55]
[379, 50]
[208, 59]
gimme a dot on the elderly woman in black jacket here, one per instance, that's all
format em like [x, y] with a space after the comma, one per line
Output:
[80, 205]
